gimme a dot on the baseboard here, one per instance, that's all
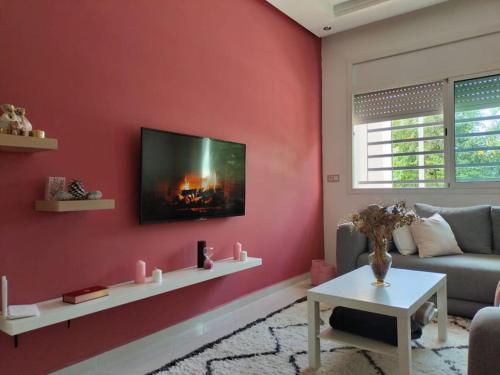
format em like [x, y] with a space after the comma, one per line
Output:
[191, 325]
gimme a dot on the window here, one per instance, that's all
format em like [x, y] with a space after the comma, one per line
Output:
[400, 135]
[477, 129]
[398, 138]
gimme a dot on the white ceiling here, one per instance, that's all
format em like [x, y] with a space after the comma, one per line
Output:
[342, 15]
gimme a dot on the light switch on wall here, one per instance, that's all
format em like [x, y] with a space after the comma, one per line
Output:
[333, 178]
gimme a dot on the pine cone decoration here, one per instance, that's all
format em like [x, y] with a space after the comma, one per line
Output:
[75, 188]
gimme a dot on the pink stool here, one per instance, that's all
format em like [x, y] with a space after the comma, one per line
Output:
[321, 272]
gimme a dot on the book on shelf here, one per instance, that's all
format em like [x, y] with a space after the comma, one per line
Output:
[86, 294]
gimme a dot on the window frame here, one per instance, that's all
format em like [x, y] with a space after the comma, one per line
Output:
[453, 183]
[449, 145]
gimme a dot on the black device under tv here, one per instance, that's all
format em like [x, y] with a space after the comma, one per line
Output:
[189, 177]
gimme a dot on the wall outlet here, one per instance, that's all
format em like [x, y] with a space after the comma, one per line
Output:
[333, 178]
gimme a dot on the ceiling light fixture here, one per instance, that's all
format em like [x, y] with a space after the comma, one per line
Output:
[351, 6]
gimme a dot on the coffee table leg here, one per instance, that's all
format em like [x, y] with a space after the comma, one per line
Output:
[442, 305]
[313, 329]
[404, 345]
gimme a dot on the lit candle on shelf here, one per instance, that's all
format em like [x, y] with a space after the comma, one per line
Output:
[140, 272]
[236, 251]
[243, 256]
[157, 276]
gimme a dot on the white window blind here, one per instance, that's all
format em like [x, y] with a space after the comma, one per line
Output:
[398, 137]
[400, 103]
[477, 129]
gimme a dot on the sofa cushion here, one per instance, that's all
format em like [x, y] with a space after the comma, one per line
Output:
[495, 218]
[471, 225]
[434, 237]
[472, 277]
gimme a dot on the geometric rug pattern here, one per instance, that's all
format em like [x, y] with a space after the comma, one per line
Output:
[277, 345]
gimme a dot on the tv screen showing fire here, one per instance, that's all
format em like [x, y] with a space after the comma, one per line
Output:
[189, 177]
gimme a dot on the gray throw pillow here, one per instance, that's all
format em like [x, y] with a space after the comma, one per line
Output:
[495, 218]
[470, 225]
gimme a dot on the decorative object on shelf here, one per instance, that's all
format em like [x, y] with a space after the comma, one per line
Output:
[321, 272]
[23, 311]
[200, 253]
[38, 134]
[208, 252]
[76, 191]
[87, 294]
[15, 128]
[94, 195]
[157, 276]
[53, 186]
[25, 124]
[14, 121]
[5, 300]
[243, 256]
[236, 251]
[377, 223]
[140, 272]
[8, 116]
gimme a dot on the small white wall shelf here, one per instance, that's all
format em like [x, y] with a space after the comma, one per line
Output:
[81, 205]
[56, 311]
[18, 143]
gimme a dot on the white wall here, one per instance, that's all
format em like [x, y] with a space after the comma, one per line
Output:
[450, 22]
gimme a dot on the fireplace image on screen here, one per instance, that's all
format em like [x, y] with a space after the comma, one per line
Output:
[189, 177]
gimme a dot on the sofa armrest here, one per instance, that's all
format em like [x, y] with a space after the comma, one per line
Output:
[484, 342]
[350, 244]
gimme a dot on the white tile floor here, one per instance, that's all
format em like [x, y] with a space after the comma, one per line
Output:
[155, 350]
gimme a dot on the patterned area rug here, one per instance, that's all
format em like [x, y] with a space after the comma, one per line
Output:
[277, 345]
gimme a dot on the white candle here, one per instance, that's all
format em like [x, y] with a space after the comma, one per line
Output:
[243, 256]
[157, 276]
[236, 251]
[140, 272]
[5, 304]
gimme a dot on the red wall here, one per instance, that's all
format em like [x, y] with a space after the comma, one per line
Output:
[90, 73]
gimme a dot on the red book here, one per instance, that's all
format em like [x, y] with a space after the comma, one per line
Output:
[86, 294]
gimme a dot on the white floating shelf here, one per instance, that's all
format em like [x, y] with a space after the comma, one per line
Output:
[77, 205]
[56, 311]
[19, 143]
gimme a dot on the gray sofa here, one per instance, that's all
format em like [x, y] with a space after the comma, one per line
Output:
[472, 277]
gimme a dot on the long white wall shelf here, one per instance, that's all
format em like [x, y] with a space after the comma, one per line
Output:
[56, 311]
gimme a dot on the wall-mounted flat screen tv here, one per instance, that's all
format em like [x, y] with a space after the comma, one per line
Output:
[190, 177]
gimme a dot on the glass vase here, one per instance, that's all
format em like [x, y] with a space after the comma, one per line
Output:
[380, 261]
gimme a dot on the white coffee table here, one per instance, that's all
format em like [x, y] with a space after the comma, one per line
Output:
[408, 291]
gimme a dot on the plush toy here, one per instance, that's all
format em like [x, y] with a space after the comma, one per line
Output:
[8, 117]
[25, 124]
[14, 120]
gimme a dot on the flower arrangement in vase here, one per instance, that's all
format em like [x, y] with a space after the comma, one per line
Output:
[377, 223]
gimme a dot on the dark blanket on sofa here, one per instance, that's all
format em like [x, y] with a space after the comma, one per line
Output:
[371, 325]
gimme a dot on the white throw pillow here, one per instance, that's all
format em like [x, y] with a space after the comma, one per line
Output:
[434, 237]
[403, 240]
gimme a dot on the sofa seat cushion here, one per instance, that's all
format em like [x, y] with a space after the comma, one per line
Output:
[471, 225]
[472, 277]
